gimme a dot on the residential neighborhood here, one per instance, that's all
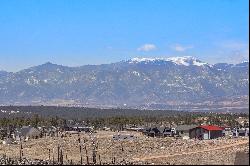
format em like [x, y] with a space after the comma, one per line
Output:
[135, 140]
[201, 132]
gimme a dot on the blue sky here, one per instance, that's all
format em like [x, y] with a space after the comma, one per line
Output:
[79, 32]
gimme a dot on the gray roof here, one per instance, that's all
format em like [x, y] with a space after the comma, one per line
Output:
[185, 127]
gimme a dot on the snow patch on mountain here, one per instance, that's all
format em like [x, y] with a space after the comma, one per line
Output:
[32, 81]
[136, 73]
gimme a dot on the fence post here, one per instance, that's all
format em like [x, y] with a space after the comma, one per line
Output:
[61, 157]
[58, 153]
[86, 151]
[80, 146]
[49, 154]
[21, 150]
[53, 156]
[100, 161]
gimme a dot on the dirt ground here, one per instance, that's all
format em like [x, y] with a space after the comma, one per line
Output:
[140, 150]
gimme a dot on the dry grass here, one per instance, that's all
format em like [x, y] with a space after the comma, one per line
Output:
[136, 151]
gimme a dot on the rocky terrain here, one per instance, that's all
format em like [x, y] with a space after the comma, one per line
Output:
[141, 150]
[14, 161]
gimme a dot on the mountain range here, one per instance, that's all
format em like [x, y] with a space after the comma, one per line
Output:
[155, 83]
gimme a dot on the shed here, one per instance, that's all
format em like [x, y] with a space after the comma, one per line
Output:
[183, 130]
[206, 132]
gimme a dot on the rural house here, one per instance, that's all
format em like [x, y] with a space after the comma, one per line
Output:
[206, 132]
[183, 130]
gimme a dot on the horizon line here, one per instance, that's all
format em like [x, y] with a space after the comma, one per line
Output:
[76, 66]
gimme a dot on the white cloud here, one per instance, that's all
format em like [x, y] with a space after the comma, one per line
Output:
[180, 48]
[147, 47]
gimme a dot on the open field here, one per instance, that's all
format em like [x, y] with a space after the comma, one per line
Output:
[141, 150]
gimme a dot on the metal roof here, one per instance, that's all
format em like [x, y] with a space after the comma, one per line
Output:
[211, 128]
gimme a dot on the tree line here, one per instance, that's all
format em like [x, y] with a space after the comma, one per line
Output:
[121, 121]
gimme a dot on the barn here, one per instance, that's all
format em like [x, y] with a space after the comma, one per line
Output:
[206, 132]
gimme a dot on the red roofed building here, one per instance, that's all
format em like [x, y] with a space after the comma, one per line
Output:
[206, 132]
[211, 128]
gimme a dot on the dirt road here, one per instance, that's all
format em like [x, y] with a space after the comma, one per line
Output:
[194, 152]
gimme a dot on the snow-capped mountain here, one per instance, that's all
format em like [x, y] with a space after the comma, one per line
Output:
[138, 82]
[185, 60]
